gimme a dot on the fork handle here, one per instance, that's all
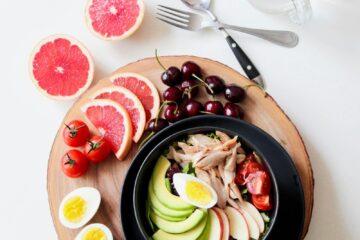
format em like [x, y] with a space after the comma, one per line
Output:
[243, 59]
[282, 38]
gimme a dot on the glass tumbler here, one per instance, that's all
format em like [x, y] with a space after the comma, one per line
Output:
[299, 11]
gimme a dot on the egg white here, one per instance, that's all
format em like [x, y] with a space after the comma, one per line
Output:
[104, 228]
[180, 180]
[91, 196]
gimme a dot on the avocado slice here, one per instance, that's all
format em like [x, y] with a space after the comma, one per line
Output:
[192, 234]
[168, 218]
[157, 205]
[165, 197]
[178, 227]
[205, 234]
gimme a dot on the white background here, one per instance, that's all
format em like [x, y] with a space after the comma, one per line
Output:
[317, 84]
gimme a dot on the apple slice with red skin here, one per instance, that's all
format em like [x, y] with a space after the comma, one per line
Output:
[225, 222]
[238, 225]
[254, 213]
[252, 225]
[254, 230]
[216, 225]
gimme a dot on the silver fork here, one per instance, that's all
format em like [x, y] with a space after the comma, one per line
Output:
[194, 22]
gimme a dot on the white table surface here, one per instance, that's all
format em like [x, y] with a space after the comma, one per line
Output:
[317, 84]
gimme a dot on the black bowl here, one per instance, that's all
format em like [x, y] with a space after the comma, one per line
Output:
[234, 127]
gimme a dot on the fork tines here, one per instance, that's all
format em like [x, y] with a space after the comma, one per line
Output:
[173, 16]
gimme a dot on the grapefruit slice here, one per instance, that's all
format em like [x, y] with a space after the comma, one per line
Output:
[61, 67]
[130, 102]
[143, 88]
[113, 122]
[114, 19]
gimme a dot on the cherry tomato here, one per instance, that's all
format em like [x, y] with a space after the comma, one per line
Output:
[262, 202]
[258, 183]
[74, 163]
[242, 170]
[253, 167]
[97, 149]
[76, 133]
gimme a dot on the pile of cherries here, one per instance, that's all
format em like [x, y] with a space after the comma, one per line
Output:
[179, 97]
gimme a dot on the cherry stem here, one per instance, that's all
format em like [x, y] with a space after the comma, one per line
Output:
[146, 139]
[160, 108]
[258, 86]
[158, 60]
[204, 83]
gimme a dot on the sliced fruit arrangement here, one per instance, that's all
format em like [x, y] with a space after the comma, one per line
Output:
[114, 19]
[143, 88]
[77, 208]
[61, 67]
[113, 122]
[130, 102]
[202, 187]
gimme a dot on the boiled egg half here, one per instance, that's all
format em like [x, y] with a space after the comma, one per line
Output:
[79, 207]
[95, 231]
[194, 191]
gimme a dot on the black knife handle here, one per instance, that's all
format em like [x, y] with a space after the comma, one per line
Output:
[243, 59]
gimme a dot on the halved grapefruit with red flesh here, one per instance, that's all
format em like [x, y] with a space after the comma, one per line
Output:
[114, 19]
[61, 67]
[130, 102]
[143, 88]
[113, 122]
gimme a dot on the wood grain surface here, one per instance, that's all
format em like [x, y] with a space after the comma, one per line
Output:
[109, 176]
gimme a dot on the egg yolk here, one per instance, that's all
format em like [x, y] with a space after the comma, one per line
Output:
[94, 234]
[74, 209]
[197, 192]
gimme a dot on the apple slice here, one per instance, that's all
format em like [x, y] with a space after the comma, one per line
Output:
[255, 214]
[252, 225]
[216, 226]
[238, 226]
[225, 222]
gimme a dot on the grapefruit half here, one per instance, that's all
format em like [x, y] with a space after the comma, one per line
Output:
[113, 122]
[143, 88]
[130, 102]
[61, 67]
[114, 19]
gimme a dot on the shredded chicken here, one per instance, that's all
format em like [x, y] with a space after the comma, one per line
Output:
[223, 136]
[240, 158]
[234, 188]
[182, 157]
[203, 175]
[187, 148]
[212, 159]
[203, 141]
[219, 189]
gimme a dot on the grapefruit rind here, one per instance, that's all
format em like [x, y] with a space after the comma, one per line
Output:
[155, 93]
[84, 50]
[137, 104]
[127, 137]
[126, 34]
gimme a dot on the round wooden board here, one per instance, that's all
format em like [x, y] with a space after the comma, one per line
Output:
[109, 176]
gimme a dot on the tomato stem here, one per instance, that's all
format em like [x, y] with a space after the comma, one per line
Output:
[70, 161]
[95, 145]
